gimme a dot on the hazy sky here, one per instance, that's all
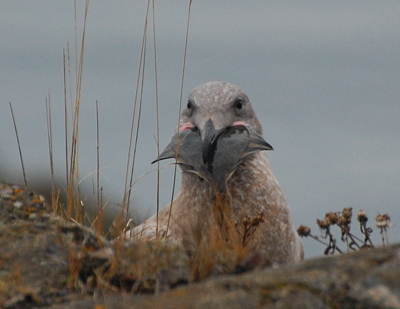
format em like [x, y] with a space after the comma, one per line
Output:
[323, 77]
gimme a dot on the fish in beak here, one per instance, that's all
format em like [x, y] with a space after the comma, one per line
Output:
[213, 154]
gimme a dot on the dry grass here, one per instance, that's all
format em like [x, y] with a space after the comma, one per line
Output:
[216, 247]
[210, 248]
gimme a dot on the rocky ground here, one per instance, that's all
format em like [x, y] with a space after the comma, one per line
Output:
[46, 262]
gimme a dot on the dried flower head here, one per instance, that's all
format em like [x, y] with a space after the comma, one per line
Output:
[347, 213]
[303, 231]
[323, 224]
[253, 221]
[342, 221]
[332, 217]
[257, 219]
[246, 220]
[362, 216]
[382, 221]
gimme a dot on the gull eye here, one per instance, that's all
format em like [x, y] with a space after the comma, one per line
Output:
[238, 104]
[189, 105]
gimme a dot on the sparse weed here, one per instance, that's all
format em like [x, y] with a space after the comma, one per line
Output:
[342, 220]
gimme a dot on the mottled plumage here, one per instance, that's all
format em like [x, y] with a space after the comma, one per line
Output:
[223, 155]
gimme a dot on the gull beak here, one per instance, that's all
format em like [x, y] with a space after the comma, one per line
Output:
[207, 137]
